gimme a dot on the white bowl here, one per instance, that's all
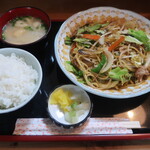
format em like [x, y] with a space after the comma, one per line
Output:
[96, 14]
[57, 115]
[30, 60]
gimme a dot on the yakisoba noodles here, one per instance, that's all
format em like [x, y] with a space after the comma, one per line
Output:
[107, 55]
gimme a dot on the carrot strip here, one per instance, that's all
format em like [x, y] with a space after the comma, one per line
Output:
[90, 36]
[116, 43]
[73, 47]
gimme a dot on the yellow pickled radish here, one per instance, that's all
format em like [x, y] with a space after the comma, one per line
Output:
[62, 98]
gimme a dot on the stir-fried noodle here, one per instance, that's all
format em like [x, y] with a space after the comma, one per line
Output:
[109, 55]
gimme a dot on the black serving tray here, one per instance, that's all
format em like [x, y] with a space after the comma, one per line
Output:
[53, 77]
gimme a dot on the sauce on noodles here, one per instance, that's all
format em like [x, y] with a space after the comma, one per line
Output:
[109, 55]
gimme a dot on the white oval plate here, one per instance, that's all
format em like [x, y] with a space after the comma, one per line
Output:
[96, 14]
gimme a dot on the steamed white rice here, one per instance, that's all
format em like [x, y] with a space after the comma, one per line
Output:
[17, 80]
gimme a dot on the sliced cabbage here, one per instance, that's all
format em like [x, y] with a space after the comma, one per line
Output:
[76, 109]
[132, 40]
[120, 74]
[71, 117]
[141, 36]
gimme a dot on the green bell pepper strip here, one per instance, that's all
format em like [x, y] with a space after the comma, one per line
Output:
[100, 65]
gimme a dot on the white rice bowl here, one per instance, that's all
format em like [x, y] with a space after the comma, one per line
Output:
[21, 77]
[97, 14]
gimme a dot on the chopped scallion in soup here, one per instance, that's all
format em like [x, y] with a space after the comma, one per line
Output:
[24, 30]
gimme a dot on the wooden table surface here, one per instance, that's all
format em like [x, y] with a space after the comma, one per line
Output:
[61, 10]
[101, 145]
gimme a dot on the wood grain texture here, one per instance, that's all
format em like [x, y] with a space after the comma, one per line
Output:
[62, 9]
[117, 145]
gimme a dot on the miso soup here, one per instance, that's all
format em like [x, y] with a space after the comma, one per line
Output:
[24, 30]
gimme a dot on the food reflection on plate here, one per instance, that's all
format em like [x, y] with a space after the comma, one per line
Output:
[106, 52]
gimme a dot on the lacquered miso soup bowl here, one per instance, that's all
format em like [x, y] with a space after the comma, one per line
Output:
[33, 47]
